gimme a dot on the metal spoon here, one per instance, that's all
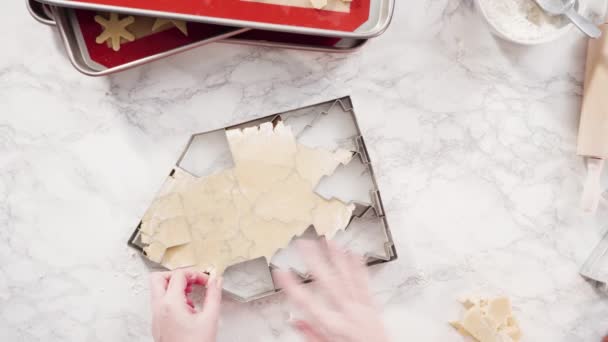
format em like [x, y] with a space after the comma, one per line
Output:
[566, 7]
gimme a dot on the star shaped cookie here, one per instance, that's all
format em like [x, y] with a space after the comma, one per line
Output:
[160, 22]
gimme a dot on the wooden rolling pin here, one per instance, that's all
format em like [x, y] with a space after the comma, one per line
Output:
[593, 130]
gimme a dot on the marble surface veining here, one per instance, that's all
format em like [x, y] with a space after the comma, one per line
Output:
[473, 140]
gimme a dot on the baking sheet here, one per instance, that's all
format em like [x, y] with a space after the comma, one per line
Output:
[78, 31]
[328, 125]
[39, 12]
[364, 19]
[94, 59]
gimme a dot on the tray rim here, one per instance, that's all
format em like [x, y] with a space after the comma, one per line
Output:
[36, 10]
[376, 31]
[293, 46]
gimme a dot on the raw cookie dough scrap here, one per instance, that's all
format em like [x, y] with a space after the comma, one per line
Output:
[115, 29]
[488, 320]
[249, 211]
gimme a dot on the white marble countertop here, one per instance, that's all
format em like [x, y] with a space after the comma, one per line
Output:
[473, 139]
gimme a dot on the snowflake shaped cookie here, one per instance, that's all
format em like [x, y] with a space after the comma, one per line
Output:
[115, 29]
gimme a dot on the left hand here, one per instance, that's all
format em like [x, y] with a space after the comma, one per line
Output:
[174, 318]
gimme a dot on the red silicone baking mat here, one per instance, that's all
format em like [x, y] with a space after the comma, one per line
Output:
[172, 38]
[140, 48]
[254, 11]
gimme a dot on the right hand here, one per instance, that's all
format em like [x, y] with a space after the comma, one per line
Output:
[345, 312]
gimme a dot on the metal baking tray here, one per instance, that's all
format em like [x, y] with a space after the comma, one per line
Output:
[296, 41]
[78, 53]
[331, 125]
[362, 19]
[79, 56]
[40, 12]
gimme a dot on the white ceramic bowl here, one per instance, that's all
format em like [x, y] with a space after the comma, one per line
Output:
[549, 37]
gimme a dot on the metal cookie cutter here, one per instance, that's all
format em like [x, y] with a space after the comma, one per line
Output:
[329, 125]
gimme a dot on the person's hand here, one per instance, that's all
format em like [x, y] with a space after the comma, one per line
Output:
[174, 318]
[344, 312]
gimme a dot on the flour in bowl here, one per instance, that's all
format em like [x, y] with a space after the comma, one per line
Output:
[521, 20]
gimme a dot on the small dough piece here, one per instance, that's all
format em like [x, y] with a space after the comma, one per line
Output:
[469, 302]
[488, 320]
[503, 337]
[179, 24]
[318, 4]
[512, 328]
[458, 326]
[174, 232]
[499, 309]
[513, 332]
[114, 30]
[274, 145]
[155, 251]
[179, 257]
[511, 321]
[479, 325]
[328, 216]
